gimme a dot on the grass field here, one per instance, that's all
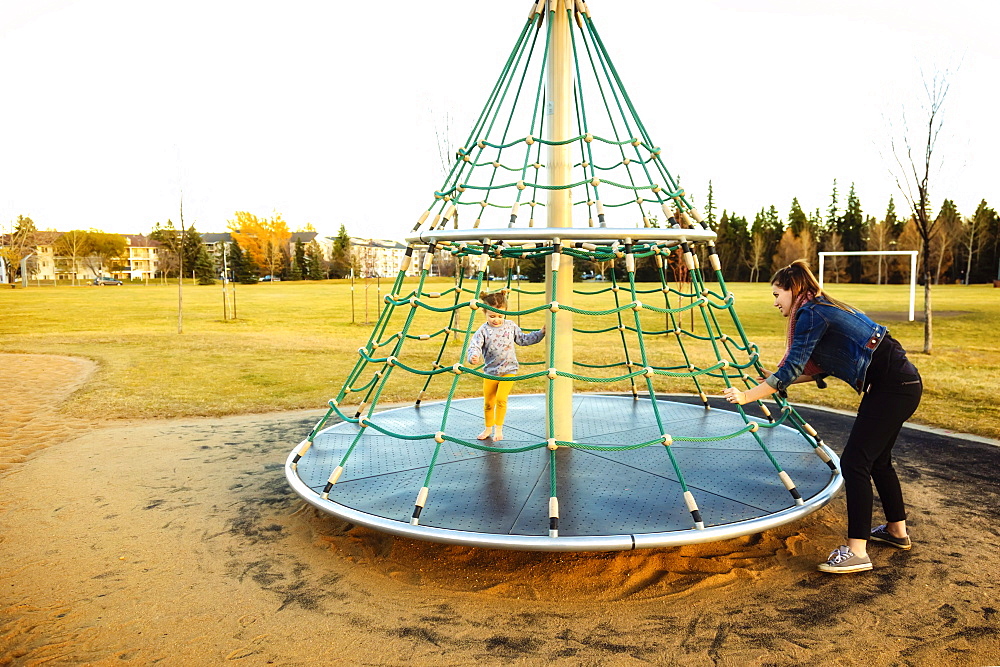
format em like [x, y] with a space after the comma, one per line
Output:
[294, 344]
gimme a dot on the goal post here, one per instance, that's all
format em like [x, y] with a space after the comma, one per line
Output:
[913, 267]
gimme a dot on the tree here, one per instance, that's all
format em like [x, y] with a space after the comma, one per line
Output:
[264, 240]
[74, 244]
[244, 269]
[170, 241]
[103, 250]
[836, 270]
[949, 228]
[797, 220]
[894, 223]
[913, 177]
[987, 223]
[851, 227]
[789, 249]
[757, 252]
[731, 242]
[832, 211]
[315, 263]
[17, 245]
[340, 259]
[709, 208]
[298, 270]
[879, 239]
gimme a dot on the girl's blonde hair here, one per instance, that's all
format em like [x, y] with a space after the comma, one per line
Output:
[496, 299]
[798, 279]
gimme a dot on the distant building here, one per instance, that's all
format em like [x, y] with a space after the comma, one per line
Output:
[378, 258]
[139, 261]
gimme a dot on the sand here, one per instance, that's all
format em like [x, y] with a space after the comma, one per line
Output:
[179, 543]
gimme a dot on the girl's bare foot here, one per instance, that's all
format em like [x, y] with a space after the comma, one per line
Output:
[485, 434]
[497, 433]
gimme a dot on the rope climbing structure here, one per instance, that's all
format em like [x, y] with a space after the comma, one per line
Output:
[559, 171]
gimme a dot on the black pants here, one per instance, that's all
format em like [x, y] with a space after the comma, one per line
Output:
[867, 456]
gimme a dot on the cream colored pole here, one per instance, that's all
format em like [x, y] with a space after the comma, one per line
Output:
[559, 210]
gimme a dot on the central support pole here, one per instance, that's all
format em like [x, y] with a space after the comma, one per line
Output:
[559, 209]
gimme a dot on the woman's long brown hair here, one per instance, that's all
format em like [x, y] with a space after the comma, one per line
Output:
[797, 278]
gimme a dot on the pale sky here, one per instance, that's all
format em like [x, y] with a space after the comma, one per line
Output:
[326, 111]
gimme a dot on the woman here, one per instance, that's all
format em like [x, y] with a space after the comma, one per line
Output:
[826, 337]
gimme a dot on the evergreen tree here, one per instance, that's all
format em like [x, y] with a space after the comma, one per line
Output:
[851, 227]
[242, 266]
[285, 263]
[340, 260]
[731, 244]
[832, 211]
[314, 261]
[797, 220]
[710, 208]
[986, 266]
[893, 222]
[299, 270]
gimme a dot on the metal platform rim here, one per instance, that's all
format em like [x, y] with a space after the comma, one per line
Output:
[622, 542]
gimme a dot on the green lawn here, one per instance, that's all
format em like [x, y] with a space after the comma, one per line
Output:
[294, 344]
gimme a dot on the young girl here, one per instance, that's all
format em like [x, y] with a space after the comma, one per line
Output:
[827, 337]
[495, 341]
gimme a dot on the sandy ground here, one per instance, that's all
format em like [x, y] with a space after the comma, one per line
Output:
[180, 543]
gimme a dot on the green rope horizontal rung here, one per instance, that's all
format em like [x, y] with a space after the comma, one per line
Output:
[581, 311]
[580, 363]
[368, 385]
[476, 203]
[526, 184]
[585, 292]
[502, 378]
[350, 420]
[435, 295]
[722, 306]
[598, 331]
[548, 142]
[488, 448]
[388, 340]
[384, 431]
[513, 289]
[589, 256]
[609, 448]
[689, 438]
[598, 380]
[430, 335]
[497, 165]
[620, 164]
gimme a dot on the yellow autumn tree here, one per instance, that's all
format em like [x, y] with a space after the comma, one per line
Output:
[264, 239]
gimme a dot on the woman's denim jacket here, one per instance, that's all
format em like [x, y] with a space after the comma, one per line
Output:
[838, 341]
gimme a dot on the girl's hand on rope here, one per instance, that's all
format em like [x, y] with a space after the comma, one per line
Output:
[734, 395]
[474, 360]
[764, 374]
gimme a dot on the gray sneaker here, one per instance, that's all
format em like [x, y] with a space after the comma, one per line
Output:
[843, 561]
[881, 534]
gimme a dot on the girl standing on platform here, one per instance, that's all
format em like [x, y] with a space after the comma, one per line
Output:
[827, 337]
[495, 342]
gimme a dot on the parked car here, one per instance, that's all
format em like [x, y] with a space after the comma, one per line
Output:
[104, 280]
[270, 279]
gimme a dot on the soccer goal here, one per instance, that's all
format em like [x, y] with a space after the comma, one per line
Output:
[913, 267]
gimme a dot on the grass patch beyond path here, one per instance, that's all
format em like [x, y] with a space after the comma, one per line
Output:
[295, 343]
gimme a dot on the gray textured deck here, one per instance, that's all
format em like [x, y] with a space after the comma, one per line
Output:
[607, 500]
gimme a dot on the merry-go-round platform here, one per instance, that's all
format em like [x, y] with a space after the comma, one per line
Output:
[608, 500]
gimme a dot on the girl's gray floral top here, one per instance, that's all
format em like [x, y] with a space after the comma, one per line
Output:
[496, 346]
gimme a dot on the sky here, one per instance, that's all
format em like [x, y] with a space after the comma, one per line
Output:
[112, 112]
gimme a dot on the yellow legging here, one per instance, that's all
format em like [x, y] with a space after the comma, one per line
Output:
[495, 394]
